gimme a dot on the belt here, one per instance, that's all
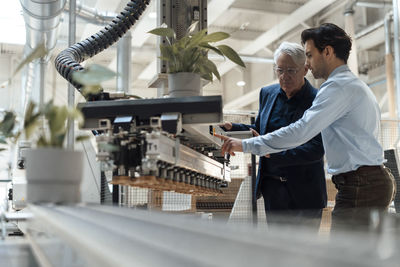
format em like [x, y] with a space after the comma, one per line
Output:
[282, 179]
[362, 169]
[349, 177]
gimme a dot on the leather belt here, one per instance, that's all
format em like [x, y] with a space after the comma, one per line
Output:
[282, 179]
[363, 169]
[349, 177]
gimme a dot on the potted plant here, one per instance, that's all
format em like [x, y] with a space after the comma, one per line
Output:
[53, 173]
[187, 59]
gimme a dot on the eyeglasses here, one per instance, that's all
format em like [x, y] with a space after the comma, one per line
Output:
[289, 71]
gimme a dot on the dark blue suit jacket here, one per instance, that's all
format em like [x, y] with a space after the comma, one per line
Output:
[302, 166]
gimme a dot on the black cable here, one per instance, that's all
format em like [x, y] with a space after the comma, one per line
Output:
[67, 62]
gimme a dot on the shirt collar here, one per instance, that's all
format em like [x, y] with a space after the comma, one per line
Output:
[341, 68]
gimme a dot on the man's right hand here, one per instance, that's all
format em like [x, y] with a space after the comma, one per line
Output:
[230, 144]
[227, 126]
[254, 132]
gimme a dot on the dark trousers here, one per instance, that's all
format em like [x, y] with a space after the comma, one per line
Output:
[281, 210]
[362, 195]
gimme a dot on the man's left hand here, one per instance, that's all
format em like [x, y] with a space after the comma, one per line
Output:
[230, 144]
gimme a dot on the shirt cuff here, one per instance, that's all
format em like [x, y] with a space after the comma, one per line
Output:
[246, 146]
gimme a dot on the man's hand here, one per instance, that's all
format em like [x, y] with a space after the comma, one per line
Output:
[230, 144]
[255, 133]
[227, 126]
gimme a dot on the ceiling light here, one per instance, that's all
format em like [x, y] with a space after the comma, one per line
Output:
[241, 83]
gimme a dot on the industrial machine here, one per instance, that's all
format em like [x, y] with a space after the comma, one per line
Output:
[153, 143]
[162, 143]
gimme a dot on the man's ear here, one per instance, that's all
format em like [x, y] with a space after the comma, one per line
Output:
[305, 70]
[328, 51]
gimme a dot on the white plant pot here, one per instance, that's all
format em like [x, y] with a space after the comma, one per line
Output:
[53, 175]
[183, 84]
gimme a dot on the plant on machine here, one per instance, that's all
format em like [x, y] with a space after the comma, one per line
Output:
[189, 54]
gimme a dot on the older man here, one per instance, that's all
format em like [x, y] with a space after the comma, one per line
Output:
[291, 182]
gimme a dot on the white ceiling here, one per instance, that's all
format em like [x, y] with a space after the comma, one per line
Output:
[256, 27]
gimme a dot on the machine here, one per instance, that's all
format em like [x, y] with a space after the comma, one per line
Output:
[153, 143]
[162, 143]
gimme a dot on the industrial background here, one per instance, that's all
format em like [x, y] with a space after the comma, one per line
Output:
[256, 28]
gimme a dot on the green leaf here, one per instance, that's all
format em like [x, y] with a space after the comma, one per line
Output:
[93, 75]
[57, 118]
[197, 38]
[31, 119]
[211, 66]
[215, 37]
[189, 59]
[164, 32]
[76, 114]
[30, 128]
[207, 76]
[216, 50]
[192, 28]
[53, 134]
[205, 73]
[3, 140]
[91, 90]
[167, 53]
[42, 142]
[7, 125]
[58, 140]
[231, 54]
[81, 138]
[189, 53]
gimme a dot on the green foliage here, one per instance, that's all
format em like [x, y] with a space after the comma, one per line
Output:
[48, 125]
[91, 78]
[189, 54]
[51, 123]
[8, 127]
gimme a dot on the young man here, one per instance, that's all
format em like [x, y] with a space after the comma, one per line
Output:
[291, 182]
[346, 113]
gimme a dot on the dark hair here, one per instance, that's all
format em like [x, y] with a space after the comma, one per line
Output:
[329, 34]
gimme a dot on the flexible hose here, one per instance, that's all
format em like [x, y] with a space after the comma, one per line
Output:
[67, 62]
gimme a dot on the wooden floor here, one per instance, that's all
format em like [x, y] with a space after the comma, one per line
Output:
[326, 213]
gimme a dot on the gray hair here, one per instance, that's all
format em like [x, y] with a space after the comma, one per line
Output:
[295, 51]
